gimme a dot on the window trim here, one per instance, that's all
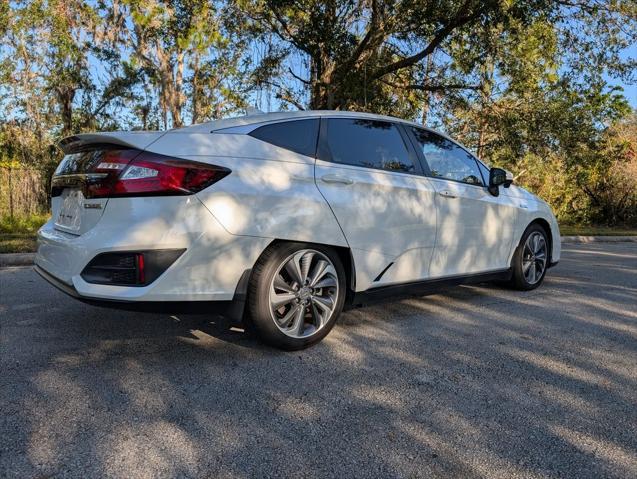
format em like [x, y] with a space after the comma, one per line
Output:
[422, 157]
[324, 153]
[480, 162]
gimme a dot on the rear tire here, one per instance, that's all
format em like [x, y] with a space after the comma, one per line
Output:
[531, 259]
[295, 295]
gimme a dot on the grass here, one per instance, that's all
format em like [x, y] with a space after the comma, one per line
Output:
[17, 234]
[17, 244]
[585, 230]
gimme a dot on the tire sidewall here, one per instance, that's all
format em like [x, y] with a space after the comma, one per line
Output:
[259, 293]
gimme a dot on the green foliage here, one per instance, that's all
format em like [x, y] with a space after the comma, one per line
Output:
[18, 233]
[22, 224]
[525, 83]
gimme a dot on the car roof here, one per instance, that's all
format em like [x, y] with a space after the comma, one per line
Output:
[253, 119]
[262, 118]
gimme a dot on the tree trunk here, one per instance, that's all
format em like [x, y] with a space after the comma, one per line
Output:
[195, 90]
[65, 97]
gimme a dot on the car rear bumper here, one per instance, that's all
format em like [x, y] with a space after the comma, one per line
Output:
[209, 270]
[232, 309]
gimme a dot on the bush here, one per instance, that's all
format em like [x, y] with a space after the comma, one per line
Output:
[22, 224]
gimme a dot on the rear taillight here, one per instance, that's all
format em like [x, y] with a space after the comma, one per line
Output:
[150, 174]
[105, 173]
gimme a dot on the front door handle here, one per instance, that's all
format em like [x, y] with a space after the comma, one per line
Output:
[344, 180]
[447, 194]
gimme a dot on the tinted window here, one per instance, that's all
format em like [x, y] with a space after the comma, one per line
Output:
[299, 136]
[369, 143]
[446, 159]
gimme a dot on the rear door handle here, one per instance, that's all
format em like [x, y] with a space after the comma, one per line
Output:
[447, 194]
[344, 180]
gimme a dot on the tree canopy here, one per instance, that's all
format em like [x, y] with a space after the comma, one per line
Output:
[527, 84]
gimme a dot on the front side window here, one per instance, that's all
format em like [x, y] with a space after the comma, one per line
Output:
[446, 159]
[368, 143]
[299, 136]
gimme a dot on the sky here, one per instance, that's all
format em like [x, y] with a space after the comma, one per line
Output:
[630, 91]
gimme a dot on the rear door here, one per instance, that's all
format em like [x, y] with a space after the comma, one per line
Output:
[384, 204]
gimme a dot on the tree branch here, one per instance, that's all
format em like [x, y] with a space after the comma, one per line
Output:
[301, 79]
[461, 19]
[414, 86]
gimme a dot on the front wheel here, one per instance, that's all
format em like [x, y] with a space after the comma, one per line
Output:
[530, 259]
[296, 294]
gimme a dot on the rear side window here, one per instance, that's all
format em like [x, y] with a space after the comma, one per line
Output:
[368, 143]
[299, 136]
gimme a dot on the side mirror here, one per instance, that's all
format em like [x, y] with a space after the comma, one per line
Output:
[497, 177]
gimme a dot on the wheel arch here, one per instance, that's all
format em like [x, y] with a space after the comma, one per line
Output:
[344, 254]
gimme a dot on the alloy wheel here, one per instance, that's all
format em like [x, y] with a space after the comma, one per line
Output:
[303, 293]
[534, 257]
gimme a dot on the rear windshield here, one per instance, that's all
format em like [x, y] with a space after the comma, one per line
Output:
[85, 161]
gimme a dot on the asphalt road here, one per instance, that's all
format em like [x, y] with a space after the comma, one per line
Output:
[476, 382]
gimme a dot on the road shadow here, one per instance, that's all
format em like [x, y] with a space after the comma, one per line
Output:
[479, 381]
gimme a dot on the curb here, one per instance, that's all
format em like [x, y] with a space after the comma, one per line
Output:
[26, 259]
[598, 239]
[16, 259]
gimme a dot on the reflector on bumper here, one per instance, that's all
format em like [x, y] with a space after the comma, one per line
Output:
[129, 268]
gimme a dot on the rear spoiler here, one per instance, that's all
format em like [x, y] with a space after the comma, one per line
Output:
[139, 140]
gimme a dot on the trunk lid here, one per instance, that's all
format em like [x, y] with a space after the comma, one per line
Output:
[72, 211]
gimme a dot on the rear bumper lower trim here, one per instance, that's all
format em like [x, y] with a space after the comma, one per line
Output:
[59, 284]
[232, 309]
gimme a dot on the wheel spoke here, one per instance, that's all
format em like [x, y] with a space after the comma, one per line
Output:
[306, 261]
[316, 316]
[293, 269]
[326, 282]
[322, 270]
[285, 320]
[279, 283]
[532, 271]
[539, 268]
[324, 303]
[531, 276]
[319, 272]
[299, 320]
[536, 241]
[280, 299]
[525, 266]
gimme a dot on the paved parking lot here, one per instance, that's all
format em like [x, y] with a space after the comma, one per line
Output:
[476, 382]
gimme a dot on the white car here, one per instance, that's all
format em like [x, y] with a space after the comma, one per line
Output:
[284, 219]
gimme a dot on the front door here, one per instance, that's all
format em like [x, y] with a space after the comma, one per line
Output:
[475, 229]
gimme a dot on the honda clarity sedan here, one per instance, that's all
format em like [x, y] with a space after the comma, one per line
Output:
[282, 220]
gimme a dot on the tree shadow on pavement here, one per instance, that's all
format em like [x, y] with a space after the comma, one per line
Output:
[477, 382]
